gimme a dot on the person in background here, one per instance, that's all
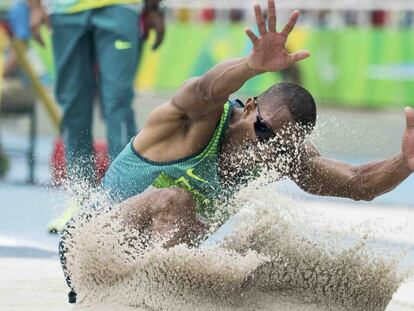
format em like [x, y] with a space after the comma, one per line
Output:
[16, 92]
[96, 47]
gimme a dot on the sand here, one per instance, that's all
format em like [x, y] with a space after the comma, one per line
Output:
[280, 256]
[37, 284]
[32, 284]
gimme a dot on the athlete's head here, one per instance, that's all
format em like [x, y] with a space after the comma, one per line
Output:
[281, 106]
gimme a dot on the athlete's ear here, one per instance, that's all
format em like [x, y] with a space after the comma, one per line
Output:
[249, 107]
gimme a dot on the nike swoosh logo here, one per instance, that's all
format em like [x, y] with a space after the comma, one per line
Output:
[122, 45]
[191, 174]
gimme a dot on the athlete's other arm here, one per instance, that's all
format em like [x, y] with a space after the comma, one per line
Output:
[332, 178]
[204, 96]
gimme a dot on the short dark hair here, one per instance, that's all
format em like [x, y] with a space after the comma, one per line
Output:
[298, 101]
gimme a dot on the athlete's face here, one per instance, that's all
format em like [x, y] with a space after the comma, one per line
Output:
[267, 123]
[279, 119]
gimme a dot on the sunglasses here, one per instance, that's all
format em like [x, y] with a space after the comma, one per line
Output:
[262, 129]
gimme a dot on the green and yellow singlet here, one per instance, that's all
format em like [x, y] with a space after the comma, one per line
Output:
[131, 173]
[76, 6]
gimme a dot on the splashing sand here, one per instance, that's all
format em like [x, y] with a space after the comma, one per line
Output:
[275, 258]
[269, 262]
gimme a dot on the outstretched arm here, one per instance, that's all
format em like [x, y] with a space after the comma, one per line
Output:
[202, 96]
[198, 104]
[331, 178]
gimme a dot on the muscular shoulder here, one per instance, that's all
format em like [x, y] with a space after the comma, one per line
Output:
[169, 134]
[167, 113]
[163, 123]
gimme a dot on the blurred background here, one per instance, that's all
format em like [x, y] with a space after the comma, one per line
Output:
[361, 73]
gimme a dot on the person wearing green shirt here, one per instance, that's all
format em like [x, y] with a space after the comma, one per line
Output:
[96, 45]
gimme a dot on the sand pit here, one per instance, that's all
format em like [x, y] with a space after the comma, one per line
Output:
[32, 285]
[295, 256]
[37, 285]
[278, 258]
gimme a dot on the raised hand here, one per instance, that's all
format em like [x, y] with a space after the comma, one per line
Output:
[269, 51]
[408, 138]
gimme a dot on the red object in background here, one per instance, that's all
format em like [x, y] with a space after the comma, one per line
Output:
[208, 15]
[102, 162]
[379, 18]
[4, 25]
[58, 161]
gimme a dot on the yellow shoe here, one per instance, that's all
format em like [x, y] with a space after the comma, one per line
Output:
[57, 224]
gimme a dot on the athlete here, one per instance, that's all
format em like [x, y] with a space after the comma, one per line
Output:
[182, 153]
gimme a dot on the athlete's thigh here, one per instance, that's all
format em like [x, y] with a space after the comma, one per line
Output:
[143, 208]
[128, 218]
[128, 228]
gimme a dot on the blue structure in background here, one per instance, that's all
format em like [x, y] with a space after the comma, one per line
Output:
[19, 20]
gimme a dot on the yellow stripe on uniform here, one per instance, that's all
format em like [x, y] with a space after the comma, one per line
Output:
[84, 5]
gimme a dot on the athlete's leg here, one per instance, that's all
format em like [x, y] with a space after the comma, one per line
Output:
[117, 40]
[75, 89]
[169, 214]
